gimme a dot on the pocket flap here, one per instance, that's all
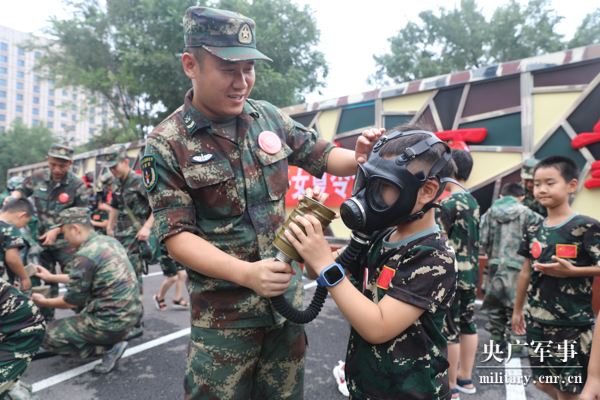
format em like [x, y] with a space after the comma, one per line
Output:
[210, 173]
[268, 159]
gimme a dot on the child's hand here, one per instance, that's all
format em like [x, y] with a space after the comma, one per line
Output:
[313, 246]
[518, 322]
[316, 194]
[591, 390]
[39, 299]
[43, 273]
[560, 269]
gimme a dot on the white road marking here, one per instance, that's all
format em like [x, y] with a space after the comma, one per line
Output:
[478, 302]
[513, 368]
[72, 373]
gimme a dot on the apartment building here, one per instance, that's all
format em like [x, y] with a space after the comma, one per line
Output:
[26, 96]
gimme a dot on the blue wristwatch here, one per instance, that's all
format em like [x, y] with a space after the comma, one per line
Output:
[331, 275]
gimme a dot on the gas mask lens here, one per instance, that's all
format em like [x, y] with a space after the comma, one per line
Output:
[383, 194]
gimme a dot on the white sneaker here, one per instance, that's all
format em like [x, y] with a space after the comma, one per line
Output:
[340, 378]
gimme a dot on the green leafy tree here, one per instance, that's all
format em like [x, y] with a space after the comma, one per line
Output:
[452, 40]
[129, 52]
[20, 145]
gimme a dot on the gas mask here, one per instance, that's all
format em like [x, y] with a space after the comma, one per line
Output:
[385, 192]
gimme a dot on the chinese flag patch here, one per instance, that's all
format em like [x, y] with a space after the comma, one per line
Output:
[385, 277]
[536, 250]
[566, 250]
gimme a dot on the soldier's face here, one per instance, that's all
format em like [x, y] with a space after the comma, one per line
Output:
[550, 188]
[58, 167]
[120, 170]
[528, 183]
[222, 87]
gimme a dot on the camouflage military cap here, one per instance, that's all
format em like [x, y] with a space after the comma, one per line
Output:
[528, 167]
[60, 151]
[104, 182]
[73, 215]
[116, 153]
[13, 182]
[225, 34]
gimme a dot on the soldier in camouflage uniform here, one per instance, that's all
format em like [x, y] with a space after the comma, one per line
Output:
[562, 256]
[502, 229]
[21, 334]
[102, 285]
[14, 215]
[459, 220]
[11, 185]
[410, 271]
[54, 189]
[527, 183]
[217, 192]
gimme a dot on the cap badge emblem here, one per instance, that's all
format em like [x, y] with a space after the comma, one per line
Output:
[245, 34]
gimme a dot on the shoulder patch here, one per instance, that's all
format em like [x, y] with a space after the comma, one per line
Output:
[149, 175]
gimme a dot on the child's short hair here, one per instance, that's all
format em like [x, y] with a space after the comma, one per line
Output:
[425, 160]
[464, 164]
[566, 166]
[512, 189]
[18, 205]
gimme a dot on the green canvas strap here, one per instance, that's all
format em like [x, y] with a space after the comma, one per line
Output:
[136, 223]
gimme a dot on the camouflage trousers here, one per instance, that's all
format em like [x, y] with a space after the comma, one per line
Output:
[499, 300]
[17, 348]
[127, 238]
[460, 317]
[76, 337]
[565, 347]
[169, 266]
[61, 253]
[246, 363]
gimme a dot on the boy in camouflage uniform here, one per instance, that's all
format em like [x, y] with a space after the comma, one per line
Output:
[502, 229]
[562, 255]
[411, 273]
[14, 215]
[527, 183]
[54, 189]
[216, 172]
[101, 285]
[21, 334]
[459, 220]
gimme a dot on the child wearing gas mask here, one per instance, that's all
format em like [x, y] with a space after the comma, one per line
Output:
[408, 275]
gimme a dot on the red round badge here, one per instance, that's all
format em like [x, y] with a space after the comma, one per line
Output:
[63, 197]
[536, 250]
[269, 142]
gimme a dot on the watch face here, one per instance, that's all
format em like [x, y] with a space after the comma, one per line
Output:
[332, 275]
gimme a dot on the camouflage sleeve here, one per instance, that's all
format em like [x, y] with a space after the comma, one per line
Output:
[26, 188]
[80, 280]
[444, 219]
[425, 278]
[310, 152]
[13, 239]
[81, 195]
[485, 233]
[172, 205]
[524, 247]
[591, 241]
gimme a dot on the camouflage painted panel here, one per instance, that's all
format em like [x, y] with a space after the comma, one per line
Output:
[52, 197]
[459, 220]
[10, 238]
[221, 190]
[103, 282]
[562, 301]
[425, 276]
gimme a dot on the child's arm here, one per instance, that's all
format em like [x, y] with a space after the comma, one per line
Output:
[59, 302]
[100, 224]
[591, 390]
[564, 269]
[518, 318]
[376, 323]
[48, 276]
[16, 265]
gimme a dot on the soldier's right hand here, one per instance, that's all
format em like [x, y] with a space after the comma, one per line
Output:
[518, 322]
[269, 277]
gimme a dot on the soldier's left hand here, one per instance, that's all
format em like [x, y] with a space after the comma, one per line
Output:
[143, 234]
[49, 237]
[560, 269]
[365, 143]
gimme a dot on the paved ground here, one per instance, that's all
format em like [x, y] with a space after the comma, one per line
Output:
[156, 369]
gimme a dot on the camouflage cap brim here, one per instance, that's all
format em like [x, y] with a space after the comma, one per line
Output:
[61, 156]
[108, 164]
[236, 53]
[526, 175]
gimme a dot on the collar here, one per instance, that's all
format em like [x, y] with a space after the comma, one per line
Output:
[65, 180]
[194, 121]
[394, 245]
[89, 238]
